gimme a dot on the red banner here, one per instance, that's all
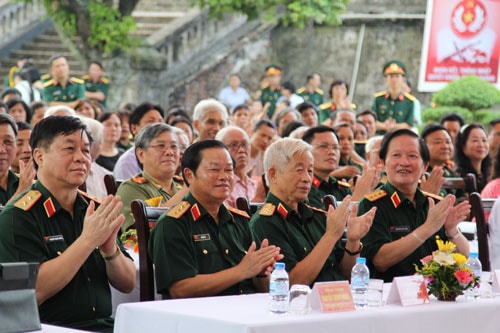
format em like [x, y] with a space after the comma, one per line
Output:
[461, 37]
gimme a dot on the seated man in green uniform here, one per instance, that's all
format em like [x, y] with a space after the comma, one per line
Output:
[157, 150]
[12, 184]
[311, 92]
[62, 89]
[201, 247]
[407, 220]
[270, 94]
[74, 242]
[394, 108]
[308, 237]
[96, 85]
[438, 141]
[326, 153]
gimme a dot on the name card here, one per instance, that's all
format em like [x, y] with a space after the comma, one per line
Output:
[332, 296]
[408, 290]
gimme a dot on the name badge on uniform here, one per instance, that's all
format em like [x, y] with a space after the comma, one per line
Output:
[400, 228]
[54, 238]
[201, 237]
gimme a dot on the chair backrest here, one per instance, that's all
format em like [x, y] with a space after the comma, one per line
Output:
[144, 216]
[111, 184]
[467, 183]
[478, 207]
[329, 200]
[243, 204]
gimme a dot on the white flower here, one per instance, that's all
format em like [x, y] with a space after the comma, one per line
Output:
[443, 258]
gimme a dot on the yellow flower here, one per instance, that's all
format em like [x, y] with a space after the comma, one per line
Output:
[445, 246]
[460, 259]
[443, 258]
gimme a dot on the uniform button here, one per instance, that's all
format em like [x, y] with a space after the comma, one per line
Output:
[392, 102]
[205, 251]
[227, 251]
[88, 279]
[93, 308]
[305, 249]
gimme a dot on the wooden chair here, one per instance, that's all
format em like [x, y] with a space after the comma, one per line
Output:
[243, 204]
[467, 183]
[478, 207]
[144, 216]
[329, 200]
[111, 184]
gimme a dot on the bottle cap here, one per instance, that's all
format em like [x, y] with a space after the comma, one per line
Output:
[360, 260]
[473, 255]
[279, 265]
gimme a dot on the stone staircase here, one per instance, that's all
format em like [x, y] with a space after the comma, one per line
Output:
[150, 16]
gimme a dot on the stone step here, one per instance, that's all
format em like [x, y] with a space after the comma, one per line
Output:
[41, 54]
[55, 48]
[48, 39]
[155, 17]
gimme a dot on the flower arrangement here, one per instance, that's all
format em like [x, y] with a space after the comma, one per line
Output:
[129, 239]
[445, 272]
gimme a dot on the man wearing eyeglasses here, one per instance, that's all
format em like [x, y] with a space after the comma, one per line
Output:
[238, 142]
[157, 149]
[326, 152]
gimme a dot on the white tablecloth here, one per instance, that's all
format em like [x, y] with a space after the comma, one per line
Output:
[249, 314]
[57, 329]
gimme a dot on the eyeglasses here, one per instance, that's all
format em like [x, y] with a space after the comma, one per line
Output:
[236, 146]
[326, 147]
[162, 147]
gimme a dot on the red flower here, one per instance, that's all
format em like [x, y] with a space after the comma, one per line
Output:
[463, 277]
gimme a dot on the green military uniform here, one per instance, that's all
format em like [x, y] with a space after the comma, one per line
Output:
[400, 109]
[296, 234]
[54, 92]
[45, 77]
[143, 187]
[10, 79]
[102, 85]
[12, 183]
[350, 162]
[315, 97]
[272, 97]
[326, 110]
[320, 188]
[36, 228]
[359, 148]
[396, 217]
[187, 241]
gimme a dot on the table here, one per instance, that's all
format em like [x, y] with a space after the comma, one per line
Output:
[57, 329]
[248, 314]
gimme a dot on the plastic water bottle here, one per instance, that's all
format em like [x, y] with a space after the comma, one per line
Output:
[278, 289]
[474, 264]
[360, 278]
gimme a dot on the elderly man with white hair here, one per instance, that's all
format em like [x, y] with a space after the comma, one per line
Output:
[309, 238]
[238, 142]
[209, 116]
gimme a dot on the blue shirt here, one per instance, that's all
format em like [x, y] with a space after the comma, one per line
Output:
[232, 98]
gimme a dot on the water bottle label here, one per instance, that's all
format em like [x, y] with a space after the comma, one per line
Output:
[278, 288]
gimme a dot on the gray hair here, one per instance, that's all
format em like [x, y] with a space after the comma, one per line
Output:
[284, 112]
[298, 132]
[206, 105]
[372, 142]
[150, 132]
[279, 153]
[221, 135]
[59, 110]
[94, 128]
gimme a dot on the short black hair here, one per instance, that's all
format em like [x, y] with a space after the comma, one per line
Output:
[305, 106]
[10, 91]
[292, 126]
[311, 132]
[264, 122]
[389, 136]
[338, 83]
[431, 128]
[367, 112]
[288, 85]
[181, 119]
[240, 107]
[47, 129]
[98, 63]
[141, 109]
[452, 117]
[492, 124]
[22, 125]
[106, 115]
[26, 107]
[310, 76]
[54, 58]
[6, 118]
[192, 155]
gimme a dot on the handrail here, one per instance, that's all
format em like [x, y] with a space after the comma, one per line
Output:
[16, 18]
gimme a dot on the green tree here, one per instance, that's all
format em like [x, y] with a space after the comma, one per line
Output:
[103, 26]
[291, 12]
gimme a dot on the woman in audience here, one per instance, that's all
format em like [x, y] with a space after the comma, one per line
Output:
[339, 93]
[19, 110]
[85, 108]
[349, 165]
[125, 141]
[185, 125]
[492, 188]
[111, 135]
[472, 153]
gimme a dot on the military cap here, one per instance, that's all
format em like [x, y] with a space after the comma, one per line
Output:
[273, 70]
[394, 67]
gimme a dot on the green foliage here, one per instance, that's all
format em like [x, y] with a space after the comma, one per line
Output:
[291, 12]
[469, 92]
[434, 114]
[485, 116]
[109, 30]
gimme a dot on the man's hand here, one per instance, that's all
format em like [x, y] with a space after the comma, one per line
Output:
[358, 226]
[435, 181]
[347, 171]
[456, 215]
[101, 226]
[437, 214]
[367, 182]
[259, 261]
